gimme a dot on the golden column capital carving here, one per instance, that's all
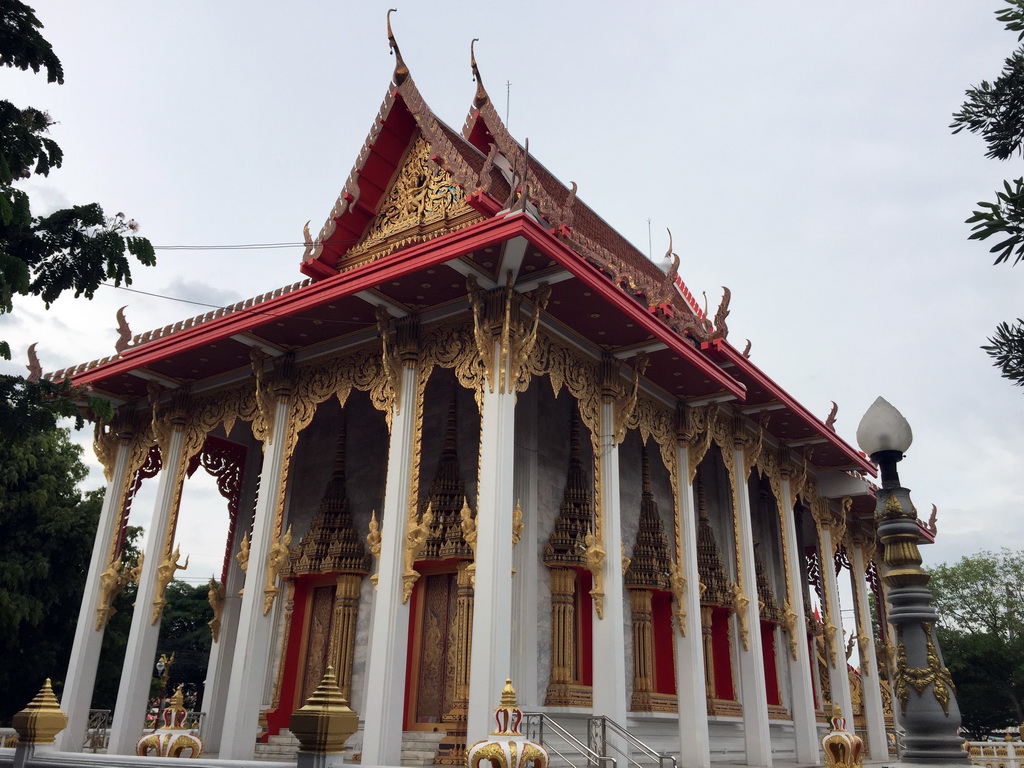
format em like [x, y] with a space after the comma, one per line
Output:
[623, 399]
[497, 321]
[400, 348]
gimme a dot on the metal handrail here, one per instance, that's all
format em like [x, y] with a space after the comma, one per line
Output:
[535, 722]
[597, 728]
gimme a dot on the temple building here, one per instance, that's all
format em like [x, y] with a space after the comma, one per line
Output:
[487, 438]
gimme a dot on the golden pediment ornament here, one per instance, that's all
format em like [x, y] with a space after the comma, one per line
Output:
[423, 202]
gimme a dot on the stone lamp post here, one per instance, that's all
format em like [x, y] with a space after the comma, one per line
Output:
[921, 683]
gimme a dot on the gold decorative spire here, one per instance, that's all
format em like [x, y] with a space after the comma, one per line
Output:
[709, 558]
[508, 694]
[42, 719]
[576, 513]
[325, 722]
[481, 97]
[447, 497]
[332, 544]
[767, 603]
[650, 564]
[401, 71]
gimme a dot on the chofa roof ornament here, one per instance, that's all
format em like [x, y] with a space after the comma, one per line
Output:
[401, 71]
[481, 96]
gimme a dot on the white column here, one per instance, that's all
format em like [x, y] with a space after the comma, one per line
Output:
[525, 557]
[801, 684]
[874, 715]
[691, 695]
[389, 627]
[218, 675]
[754, 691]
[839, 680]
[139, 657]
[249, 668]
[85, 650]
[491, 656]
[609, 689]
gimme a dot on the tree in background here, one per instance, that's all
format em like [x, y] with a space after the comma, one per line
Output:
[74, 249]
[185, 632]
[981, 604]
[48, 530]
[996, 112]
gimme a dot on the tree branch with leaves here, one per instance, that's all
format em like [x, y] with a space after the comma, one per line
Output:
[995, 111]
[75, 249]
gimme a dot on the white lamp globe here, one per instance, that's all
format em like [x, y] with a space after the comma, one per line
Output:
[883, 428]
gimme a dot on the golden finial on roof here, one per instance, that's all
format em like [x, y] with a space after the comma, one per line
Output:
[481, 97]
[401, 71]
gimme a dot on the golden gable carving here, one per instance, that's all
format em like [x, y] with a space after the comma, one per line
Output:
[423, 202]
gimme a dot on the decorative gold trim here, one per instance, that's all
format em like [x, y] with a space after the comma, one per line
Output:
[624, 404]
[677, 585]
[373, 542]
[595, 557]
[497, 320]
[423, 202]
[215, 597]
[415, 541]
[277, 559]
[823, 521]
[164, 576]
[724, 434]
[770, 465]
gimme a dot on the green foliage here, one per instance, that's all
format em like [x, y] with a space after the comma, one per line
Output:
[1007, 348]
[74, 249]
[184, 631]
[48, 530]
[995, 111]
[980, 600]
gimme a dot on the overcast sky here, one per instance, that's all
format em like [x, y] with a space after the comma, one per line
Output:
[799, 151]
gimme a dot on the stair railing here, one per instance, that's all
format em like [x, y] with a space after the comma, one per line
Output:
[597, 734]
[577, 754]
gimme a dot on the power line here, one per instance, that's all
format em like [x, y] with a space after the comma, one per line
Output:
[228, 310]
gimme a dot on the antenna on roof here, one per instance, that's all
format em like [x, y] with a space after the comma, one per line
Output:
[508, 95]
[650, 248]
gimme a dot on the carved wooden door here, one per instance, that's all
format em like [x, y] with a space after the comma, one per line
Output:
[431, 674]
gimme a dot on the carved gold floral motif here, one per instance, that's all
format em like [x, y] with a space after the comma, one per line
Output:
[164, 575]
[498, 322]
[595, 557]
[373, 541]
[277, 558]
[423, 198]
[416, 539]
[919, 678]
